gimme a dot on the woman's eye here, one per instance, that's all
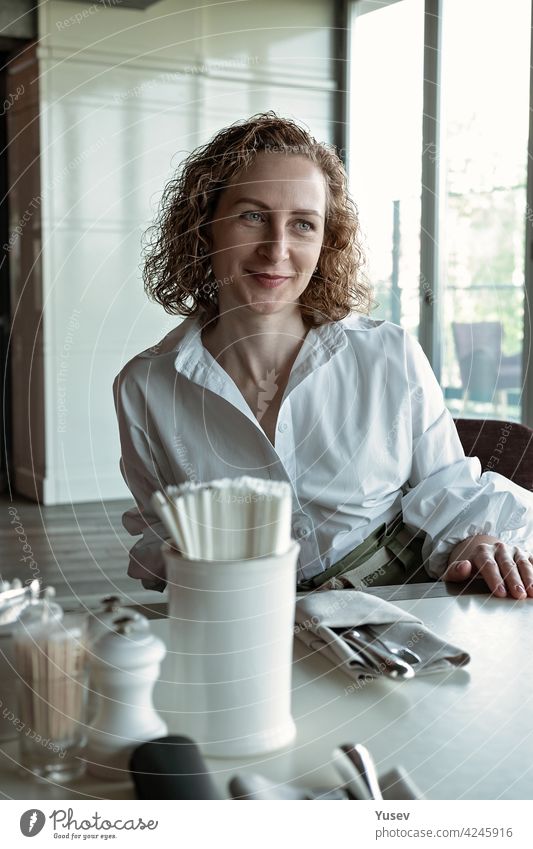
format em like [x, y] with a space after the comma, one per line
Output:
[258, 217]
[247, 215]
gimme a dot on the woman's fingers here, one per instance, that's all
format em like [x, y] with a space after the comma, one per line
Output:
[525, 566]
[458, 570]
[506, 569]
[529, 582]
[503, 555]
[485, 562]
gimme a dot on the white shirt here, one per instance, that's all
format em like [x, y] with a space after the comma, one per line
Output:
[362, 434]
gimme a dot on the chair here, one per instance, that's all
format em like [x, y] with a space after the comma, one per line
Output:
[483, 368]
[504, 447]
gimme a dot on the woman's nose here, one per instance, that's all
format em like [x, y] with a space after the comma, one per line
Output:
[275, 245]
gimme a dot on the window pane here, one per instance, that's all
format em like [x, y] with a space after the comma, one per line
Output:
[385, 149]
[485, 106]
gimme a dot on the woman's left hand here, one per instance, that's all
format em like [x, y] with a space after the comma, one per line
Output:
[506, 569]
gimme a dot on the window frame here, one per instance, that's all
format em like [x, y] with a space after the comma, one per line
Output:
[432, 190]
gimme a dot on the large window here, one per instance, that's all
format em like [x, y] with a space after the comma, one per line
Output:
[478, 157]
[385, 126]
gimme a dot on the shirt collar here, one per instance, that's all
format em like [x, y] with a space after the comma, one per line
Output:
[319, 346]
[195, 362]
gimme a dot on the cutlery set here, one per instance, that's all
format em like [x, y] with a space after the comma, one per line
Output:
[369, 638]
[173, 767]
[356, 769]
[386, 657]
[405, 653]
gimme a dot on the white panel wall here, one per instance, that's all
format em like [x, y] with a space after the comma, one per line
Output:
[125, 96]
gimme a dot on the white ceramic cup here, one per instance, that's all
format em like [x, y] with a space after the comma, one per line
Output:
[232, 628]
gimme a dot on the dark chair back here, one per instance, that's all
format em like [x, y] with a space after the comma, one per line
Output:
[483, 368]
[478, 347]
[504, 447]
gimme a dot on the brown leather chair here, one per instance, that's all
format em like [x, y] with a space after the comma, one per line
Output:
[504, 447]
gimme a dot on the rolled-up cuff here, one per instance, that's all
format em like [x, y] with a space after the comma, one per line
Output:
[457, 503]
[146, 561]
[158, 586]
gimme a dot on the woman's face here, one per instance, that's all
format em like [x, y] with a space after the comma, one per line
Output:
[267, 233]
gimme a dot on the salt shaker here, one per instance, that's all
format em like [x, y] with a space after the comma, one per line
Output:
[124, 668]
[100, 622]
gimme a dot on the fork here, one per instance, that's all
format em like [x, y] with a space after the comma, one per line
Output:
[396, 648]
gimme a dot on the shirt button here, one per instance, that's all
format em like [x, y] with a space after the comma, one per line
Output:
[301, 532]
[327, 562]
[282, 427]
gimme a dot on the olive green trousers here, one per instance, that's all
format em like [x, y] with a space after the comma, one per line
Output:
[390, 555]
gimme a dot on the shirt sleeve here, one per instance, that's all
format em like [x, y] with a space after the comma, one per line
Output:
[143, 475]
[447, 496]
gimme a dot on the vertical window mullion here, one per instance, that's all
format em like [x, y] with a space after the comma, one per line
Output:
[527, 372]
[341, 53]
[429, 333]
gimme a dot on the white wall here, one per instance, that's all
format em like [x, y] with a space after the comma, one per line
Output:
[124, 96]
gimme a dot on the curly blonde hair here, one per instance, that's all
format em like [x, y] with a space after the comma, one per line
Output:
[177, 271]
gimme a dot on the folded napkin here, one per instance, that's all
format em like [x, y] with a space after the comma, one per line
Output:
[317, 614]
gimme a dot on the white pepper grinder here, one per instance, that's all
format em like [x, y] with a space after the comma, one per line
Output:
[124, 668]
[100, 622]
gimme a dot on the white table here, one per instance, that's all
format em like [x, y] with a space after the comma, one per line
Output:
[462, 735]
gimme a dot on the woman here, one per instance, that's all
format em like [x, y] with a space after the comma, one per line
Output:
[278, 372]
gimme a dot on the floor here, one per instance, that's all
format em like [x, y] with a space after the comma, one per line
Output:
[79, 549]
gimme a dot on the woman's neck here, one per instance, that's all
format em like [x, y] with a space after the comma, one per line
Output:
[249, 349]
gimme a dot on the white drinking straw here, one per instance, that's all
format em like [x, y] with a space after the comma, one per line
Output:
[165, 512]
[228, 518]
[206, 549]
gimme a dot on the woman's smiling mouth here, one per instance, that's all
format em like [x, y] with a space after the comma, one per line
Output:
[269, 281]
